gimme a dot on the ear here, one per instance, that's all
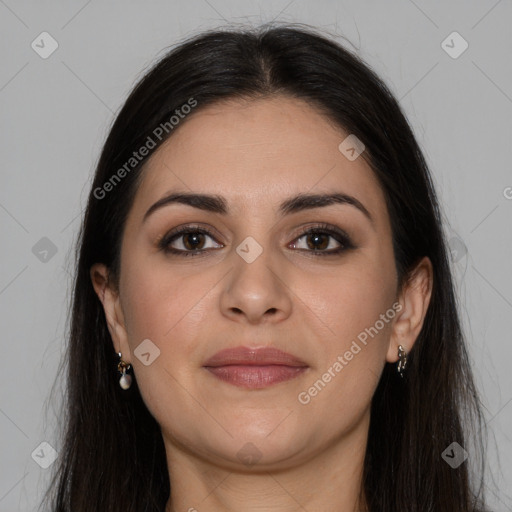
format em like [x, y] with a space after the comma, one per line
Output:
[414, 300]
[109, 297]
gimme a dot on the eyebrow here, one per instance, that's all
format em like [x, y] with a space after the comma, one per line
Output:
[217, 204]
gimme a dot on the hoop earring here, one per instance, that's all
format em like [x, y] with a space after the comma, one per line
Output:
[402, 361]
[126, 380]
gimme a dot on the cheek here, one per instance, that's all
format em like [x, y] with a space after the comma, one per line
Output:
[161, 307]
[158, 298]
[348, 300]
[170, 308]
[354, 310]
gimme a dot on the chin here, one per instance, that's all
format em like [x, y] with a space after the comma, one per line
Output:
[265, 444]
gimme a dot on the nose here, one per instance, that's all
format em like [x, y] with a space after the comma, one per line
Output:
[256, 292]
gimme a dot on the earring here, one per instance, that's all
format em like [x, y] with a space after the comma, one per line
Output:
[402, 362]
[126, 380]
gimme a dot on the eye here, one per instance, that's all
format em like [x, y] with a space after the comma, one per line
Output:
[323, 240]
[187, 241]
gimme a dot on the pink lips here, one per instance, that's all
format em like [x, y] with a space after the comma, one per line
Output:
[254, 368]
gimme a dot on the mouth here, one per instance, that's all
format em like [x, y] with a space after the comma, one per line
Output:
[254, 368]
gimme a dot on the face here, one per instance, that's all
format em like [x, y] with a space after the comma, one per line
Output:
[315, 281]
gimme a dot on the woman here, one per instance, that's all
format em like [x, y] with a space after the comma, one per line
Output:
[264, 315]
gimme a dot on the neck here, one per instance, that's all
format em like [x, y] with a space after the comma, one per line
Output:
[329, 481]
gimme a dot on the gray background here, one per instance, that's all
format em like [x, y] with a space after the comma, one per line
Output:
[55, 113]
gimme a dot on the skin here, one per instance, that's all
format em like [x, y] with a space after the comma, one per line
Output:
[256, 154]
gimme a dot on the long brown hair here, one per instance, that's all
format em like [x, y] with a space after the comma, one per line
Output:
[112, 456]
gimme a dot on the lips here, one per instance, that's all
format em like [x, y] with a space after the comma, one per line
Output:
[254, 368]
[253, 356]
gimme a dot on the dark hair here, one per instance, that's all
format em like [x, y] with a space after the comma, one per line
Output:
[113, 457]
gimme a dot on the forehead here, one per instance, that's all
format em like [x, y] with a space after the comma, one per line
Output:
[256, 153]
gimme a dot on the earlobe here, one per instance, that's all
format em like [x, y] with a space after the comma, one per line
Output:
[109, 298]
[414, 299]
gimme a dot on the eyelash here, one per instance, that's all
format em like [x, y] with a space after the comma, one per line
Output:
[324, 229]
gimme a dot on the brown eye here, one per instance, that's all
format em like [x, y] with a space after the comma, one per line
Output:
[316, 241]
[193, 240]
[188, 241]
[323, 240]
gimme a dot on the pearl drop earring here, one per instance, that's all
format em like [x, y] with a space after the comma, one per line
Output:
[126, 380]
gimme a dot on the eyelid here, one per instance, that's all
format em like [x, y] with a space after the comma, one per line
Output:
[331, 230]
[175, 233]
[340, 235]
